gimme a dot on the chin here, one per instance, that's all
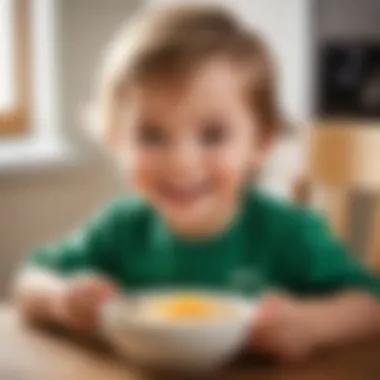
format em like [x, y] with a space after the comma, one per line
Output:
[186, 219]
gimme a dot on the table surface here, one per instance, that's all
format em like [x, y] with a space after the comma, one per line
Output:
[31, 354]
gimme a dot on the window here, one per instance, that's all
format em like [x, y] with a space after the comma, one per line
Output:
[30, 120]
[14, 67]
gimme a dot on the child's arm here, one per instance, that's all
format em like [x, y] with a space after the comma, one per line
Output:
[56, 286]
[343, 318]
[291, 329]
[312, 261]
[44, 297]
[34, 293]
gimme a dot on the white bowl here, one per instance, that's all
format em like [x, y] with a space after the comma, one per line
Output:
[191, 345]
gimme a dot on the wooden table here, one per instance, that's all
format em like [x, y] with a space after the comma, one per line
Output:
[30, 354]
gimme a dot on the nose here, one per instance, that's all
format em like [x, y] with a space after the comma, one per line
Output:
[184, 158]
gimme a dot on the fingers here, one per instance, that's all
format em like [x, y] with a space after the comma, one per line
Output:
[90, 292]
[278, 331]
[271, 311]
[82, 300]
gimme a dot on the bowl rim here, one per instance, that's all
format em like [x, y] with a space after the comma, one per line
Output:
[248, 308]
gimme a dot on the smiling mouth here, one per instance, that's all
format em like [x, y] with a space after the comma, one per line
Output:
[185, 195]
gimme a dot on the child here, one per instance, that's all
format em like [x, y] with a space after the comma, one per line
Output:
[188, 107]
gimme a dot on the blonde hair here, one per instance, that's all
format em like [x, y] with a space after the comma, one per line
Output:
[167, 43]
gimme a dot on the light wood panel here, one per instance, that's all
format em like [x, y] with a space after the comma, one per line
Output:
[344, 158]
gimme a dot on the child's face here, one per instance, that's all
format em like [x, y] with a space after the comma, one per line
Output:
[191, 150]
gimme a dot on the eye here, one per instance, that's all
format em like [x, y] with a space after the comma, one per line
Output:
[151, 135]
[214, 133]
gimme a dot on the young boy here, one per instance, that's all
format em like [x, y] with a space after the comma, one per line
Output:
[188, 107]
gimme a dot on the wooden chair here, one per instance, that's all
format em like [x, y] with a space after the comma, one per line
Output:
[344, 160]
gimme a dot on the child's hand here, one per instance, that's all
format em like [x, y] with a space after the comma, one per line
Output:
[283, 329]
[78, 304]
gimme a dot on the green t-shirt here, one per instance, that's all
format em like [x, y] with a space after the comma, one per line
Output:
[269, 245]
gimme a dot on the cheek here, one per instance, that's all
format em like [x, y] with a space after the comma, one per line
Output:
[231, 163]
[142, 167]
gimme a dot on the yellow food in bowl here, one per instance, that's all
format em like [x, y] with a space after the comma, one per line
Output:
[188, 307]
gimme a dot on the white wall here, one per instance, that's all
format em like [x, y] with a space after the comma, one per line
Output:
[286, 25]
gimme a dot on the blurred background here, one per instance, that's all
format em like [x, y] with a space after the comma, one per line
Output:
[53, 175]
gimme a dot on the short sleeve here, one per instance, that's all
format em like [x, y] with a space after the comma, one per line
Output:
[323, 264]
[89, 249]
